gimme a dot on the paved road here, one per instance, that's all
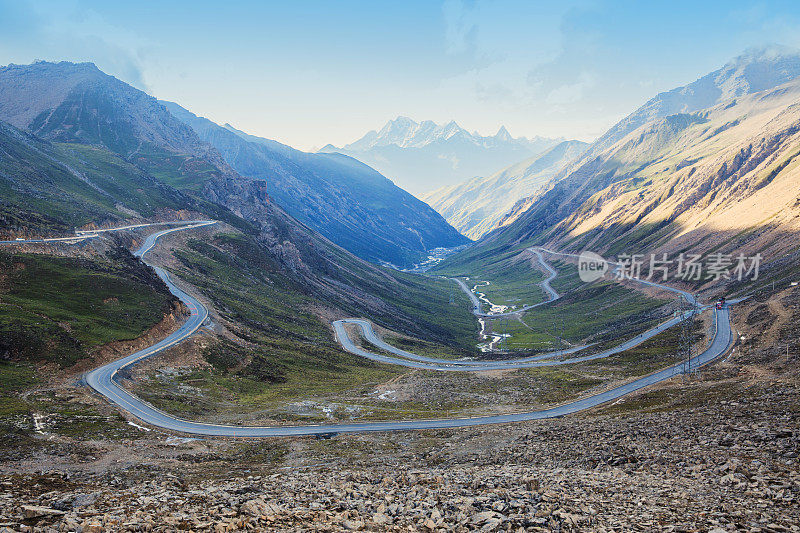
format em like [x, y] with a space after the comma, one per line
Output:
[145, 412]
[68, 240]
[82, 235]
[551, 293]
[410, 360]
[544, 284]
[136, 226]
[102, 380]
[685, 294]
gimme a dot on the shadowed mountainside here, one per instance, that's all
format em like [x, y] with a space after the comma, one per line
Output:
[99, 151]
[345, 200]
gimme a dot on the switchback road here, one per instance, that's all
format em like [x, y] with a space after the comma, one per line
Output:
[552, 295]
[102, 380]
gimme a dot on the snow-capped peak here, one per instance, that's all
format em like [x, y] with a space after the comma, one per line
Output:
[503, 135]
[407, 133]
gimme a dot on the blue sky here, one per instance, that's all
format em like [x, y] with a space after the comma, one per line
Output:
[310, 73]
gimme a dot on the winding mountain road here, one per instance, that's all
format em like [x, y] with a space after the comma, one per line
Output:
[544, 284]
[103, 381]
[412, 360]
[691, 298]
[82, 235]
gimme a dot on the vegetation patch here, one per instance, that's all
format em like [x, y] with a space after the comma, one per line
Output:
[283, 351]
[425, 348]
[604, 313]
[56, 308]
[655, 354]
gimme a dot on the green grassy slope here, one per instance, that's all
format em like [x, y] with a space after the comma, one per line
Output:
[55, 312]
[50, 187]
[283, 348]
[57, 309]
[600, 312]
[245, 280]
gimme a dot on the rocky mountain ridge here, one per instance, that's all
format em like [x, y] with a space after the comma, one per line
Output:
[79, 168]
[349, 203]
[757, 69]
[69, 102]
[725, 175]
[423, 156]
[653, 146]
[407, 133]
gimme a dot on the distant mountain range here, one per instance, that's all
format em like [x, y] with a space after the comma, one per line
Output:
[476, 206]
[422, 156]
[675, 176]
[346, 201]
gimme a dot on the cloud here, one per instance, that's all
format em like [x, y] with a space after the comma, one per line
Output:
[64, 31]
[506, 40]
[493, 92]
[460, 26]
[570, 93]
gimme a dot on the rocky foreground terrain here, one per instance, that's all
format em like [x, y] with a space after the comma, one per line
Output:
[711, 454]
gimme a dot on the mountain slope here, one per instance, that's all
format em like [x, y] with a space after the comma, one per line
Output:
[756, 70]
[421, 157]
[69, 102]
[48, 188]
[724, 176]
[750, 72]
[83, 173]
[476, 206]
[346, 201]
[724, 179]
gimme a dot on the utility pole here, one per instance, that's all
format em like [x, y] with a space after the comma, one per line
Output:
[685, 339]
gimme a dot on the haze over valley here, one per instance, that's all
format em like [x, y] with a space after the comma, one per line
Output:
[422, 156]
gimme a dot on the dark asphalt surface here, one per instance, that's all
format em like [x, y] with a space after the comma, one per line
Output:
[102, 380]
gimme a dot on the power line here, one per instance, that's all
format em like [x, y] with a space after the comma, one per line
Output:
[685, 339]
